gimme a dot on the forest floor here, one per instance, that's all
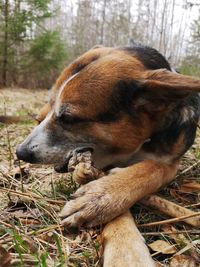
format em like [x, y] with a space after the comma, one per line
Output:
[31, 197]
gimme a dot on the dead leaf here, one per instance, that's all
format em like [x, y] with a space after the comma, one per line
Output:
[182, 261]
[5, 257]
[190, 187]
[180, 239]
[162, 247]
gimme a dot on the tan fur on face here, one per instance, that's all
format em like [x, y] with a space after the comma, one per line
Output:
[116, 133]
[88, 94]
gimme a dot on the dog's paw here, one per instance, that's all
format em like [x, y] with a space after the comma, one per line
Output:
[94, 204]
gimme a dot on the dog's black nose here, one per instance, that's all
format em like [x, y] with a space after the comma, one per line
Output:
[25, 154]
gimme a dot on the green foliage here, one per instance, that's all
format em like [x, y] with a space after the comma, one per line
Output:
[191, 63]
[44, 60]
[26, 47]
[61, 256]
[47, 52]
[43, 260]
[191, 66]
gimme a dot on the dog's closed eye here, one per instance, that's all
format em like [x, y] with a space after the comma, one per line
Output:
[69, 119]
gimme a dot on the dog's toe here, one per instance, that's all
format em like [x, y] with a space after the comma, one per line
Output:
[75, 220]
[71, 207]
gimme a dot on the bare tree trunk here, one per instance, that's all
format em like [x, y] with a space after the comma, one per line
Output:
[140, 3]
[5, 48]
[129, 19]
[153, 22]
[147, 37]
[162, 26]
[103, 22]
[171, 29]
[166, 28]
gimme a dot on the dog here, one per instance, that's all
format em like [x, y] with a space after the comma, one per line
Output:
[133, 113]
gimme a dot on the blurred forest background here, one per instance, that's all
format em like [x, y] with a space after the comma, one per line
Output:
[39, 37]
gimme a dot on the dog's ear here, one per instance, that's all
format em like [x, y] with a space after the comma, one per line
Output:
[169, 84]
[154, 90]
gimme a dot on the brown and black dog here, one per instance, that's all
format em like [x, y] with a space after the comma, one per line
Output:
[133, 112]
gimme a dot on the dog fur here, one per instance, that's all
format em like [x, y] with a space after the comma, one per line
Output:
[127, 107]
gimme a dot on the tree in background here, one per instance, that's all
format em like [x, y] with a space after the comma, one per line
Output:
[36, 34]
[156, 23]
[191, 62]
[22, 36]
[44, 58]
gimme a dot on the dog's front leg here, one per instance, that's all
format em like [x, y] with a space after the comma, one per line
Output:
[124, 245]
[102, 200]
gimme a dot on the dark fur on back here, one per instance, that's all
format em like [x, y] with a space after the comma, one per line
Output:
[150, 57]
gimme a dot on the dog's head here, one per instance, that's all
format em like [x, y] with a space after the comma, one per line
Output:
[109, 100]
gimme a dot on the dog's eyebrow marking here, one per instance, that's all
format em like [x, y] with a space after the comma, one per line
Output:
[62, 87]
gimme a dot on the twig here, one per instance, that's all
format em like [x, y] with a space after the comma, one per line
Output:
[192, 244]
[171, 209]
[169, 220]
[21, 177]
[47, 229]
[32, 196]
[93, 244]
[194, 232]
[6, 224]
[189, 168]
[9, 177]
[8, 139]
[192, 205]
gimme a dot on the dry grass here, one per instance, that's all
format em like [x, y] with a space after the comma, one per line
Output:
[29, 202]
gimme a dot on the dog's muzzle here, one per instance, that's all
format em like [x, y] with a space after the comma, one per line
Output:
[26, 154]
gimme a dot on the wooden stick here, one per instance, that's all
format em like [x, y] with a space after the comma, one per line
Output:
[173, 210]
[188, 169]
[182, 218]
[193, 232]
